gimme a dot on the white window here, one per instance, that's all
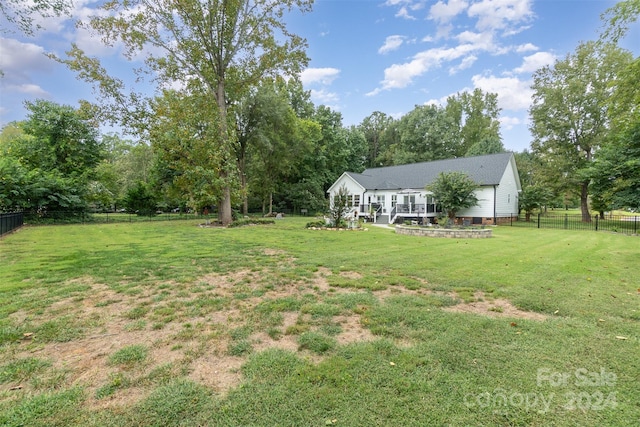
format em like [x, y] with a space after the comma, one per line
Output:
[381, 199]
[356, 200]
[394, 200]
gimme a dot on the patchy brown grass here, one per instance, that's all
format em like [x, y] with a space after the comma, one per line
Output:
[493, 308]
[196, 345]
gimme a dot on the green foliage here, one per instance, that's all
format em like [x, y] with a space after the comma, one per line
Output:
[475, 116]
[616, 171]
[374, 128]
[426, 133]
[61, 139]
[272, 139]
[47, 161]
[454, 191]
[219, 50]
[569, 121]
[485, 146]
[533, 197]
[618, 19]
[316, 224]
[27, 16]
[251, 221]
[339, 206]
[190, 161]
[140, 200]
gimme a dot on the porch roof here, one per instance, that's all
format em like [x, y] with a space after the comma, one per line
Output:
[484, 170]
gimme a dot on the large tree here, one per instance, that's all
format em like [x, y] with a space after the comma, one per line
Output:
[475, 115]
[272, 139]
[374, 128]
[426, 133]
[454, 191]
[182, 133]
[51, 159]
[616, 169]
[60, 138]
[569, 121]
[214, 48]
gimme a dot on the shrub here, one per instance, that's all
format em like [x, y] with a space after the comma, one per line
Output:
[316, 224]
[251, 221]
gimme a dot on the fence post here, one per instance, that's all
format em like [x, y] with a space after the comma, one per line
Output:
[635, 225]
[538, 219]
[596, 222]
[566, 221]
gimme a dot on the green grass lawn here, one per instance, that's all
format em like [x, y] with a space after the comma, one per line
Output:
[169, 323]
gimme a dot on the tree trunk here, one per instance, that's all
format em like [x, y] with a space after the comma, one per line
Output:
[584, 202]
[224, 203]
[270, 203]
[224, 207]
[242, 165]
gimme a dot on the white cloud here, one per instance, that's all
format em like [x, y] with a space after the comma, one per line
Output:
[323, 76]
[398, 76]
[403, 12]
[483, 41]
[527, 47]
[508, 122]
[536, 61]
[16, 56]
[391, 43]
[437, 102]
[324, 97]
[18, 61]
[29, 89]
[405, 7]
[445, 12]
[500, 14]
[466, 62]
[513, 93]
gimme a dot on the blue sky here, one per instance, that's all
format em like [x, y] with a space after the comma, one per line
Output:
[366, 55]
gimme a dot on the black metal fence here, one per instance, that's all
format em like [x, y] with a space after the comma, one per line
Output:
[10, 222]
[611, 223]
[69, 217]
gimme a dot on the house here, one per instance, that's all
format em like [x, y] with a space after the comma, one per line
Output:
[397, 193]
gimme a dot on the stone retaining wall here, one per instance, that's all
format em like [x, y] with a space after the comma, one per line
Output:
[451, 233]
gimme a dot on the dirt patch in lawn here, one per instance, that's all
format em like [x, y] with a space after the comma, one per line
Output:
[185, 336]
[178, 339]
[493, 308]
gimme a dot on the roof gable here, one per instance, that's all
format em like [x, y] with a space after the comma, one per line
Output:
[484, 170]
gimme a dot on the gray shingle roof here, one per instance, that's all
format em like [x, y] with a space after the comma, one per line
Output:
[484, 170]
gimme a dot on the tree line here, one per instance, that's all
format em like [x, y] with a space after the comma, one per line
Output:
[230, 128]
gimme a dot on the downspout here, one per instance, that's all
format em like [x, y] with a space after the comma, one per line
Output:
[495, 199]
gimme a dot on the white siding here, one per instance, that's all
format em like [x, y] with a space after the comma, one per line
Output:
[352, 186]
[507, 193]
[484, 209]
